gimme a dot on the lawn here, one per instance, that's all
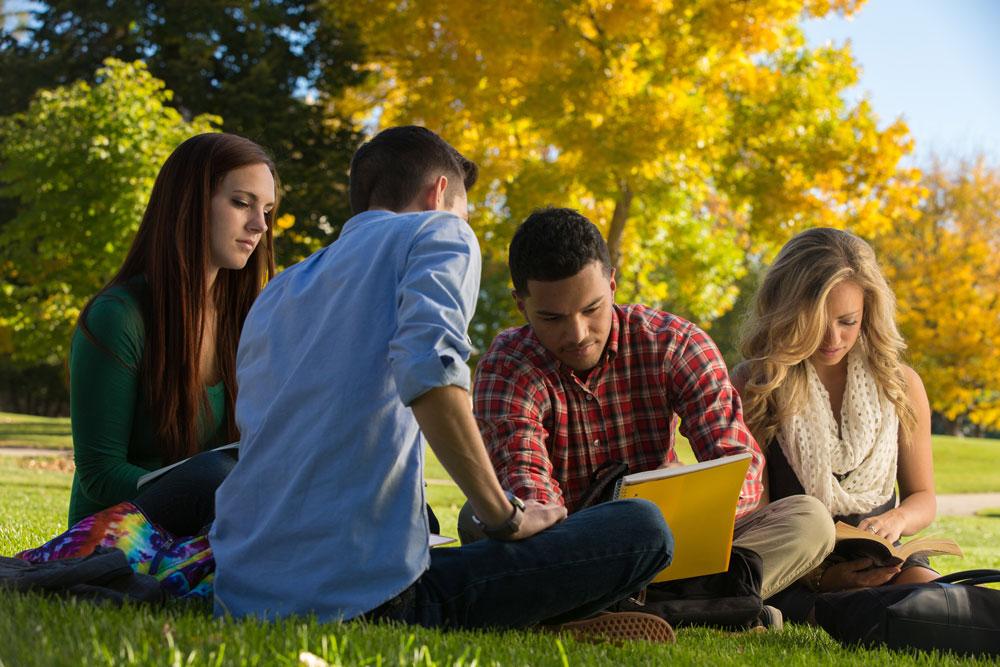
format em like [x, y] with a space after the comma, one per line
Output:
[38, 631]
[29, 431]
[966, 465]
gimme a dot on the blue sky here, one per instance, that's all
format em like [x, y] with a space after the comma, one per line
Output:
[936, 63]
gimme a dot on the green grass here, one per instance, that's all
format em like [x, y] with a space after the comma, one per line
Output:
[29, 431]
[70, 633]
[966, 465]
[48, 631]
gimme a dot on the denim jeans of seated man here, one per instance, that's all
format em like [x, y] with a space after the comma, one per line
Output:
[572, 570]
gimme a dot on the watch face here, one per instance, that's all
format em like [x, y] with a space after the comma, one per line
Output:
[510, 526]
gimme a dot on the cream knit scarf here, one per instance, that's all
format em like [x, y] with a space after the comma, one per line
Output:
[853, 471]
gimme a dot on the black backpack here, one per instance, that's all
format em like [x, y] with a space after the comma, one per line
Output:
[728, 599]
[952, 613]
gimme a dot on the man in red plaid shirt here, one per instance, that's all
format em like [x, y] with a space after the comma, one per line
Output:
[587, 381]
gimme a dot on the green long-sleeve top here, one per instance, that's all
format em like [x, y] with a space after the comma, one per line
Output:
[109, 411]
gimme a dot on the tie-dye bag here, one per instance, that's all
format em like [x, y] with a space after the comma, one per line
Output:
[184, 566]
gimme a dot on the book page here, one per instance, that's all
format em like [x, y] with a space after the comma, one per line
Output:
[160, 472]
[929, 546]
[852, 539]
[663, 473]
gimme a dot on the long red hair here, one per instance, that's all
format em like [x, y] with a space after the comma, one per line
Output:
[171, 250]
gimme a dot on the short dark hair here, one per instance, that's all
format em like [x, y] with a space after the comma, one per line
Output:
[553, 244]
[389, 170]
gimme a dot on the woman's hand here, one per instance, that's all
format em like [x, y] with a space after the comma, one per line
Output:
[889, 525]
[856, 574]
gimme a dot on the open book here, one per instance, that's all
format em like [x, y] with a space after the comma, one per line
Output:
[699, 503]
[854, 543]
[160, 472]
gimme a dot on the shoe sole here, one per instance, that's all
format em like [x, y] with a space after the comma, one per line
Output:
[617, 627]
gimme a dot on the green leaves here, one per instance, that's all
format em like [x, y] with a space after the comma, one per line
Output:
[80, 163]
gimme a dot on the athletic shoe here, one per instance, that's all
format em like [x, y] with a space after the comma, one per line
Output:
[617, 626]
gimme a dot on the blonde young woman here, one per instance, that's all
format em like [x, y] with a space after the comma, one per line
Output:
[840, 416]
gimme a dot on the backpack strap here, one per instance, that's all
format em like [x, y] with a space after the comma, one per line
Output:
[602, 484]
[971, 577]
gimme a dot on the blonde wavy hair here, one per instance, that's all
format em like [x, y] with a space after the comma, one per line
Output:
[789, 320]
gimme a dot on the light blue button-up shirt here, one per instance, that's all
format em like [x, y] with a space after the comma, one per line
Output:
[324, 513]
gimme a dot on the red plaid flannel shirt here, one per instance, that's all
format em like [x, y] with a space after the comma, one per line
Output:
[547, 431]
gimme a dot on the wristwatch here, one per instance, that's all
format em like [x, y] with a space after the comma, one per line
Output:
[508, 527]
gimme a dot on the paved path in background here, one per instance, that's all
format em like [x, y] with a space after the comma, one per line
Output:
[966, 504]
[34, 451]
[953, 504]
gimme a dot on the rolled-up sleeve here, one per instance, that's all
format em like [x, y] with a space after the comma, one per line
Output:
[711, 412]
[509, 408]
[435, 302]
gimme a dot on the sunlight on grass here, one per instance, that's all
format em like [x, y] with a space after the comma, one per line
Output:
[34, 496]
[39, 631]
[29, 431]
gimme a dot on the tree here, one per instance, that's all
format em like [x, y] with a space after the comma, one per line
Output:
[264, 66]
[695, 133]
[80, 161]
[943, 267]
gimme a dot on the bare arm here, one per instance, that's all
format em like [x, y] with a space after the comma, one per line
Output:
[915, 472]
[445, 417]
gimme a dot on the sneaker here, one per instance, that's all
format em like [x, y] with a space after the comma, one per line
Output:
[771, 619]
[617, 626]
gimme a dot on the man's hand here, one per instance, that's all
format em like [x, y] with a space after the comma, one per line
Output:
[537, 517]
[445, 417]
[856, 574]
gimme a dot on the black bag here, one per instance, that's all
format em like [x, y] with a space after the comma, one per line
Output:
[728, 599]
[950, 614]
[602, 484]
[104, 575]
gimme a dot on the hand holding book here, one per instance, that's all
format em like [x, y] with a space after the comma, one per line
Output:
[855, 543]
[860, 573]
[889, 525]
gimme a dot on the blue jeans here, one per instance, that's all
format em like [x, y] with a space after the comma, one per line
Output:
[584, 564]
[183, 500]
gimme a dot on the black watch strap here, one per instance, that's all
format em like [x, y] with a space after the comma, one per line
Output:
[508, 527]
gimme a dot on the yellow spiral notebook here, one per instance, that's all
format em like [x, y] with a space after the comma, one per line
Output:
[699, 503]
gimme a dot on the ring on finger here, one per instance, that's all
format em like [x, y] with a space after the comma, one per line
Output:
[872, 528]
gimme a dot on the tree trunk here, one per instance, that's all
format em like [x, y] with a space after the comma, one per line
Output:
[617, 229]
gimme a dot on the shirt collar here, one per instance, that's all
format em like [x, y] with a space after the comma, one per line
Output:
[363, 217]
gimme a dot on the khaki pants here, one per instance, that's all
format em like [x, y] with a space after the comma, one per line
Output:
[792, 536]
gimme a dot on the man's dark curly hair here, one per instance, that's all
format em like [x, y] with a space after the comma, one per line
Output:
[553, 244]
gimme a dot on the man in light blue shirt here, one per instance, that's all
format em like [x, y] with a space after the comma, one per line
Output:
[344, 359]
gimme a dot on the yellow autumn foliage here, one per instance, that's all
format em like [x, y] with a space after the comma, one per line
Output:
[943, 267]
[695, 133]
